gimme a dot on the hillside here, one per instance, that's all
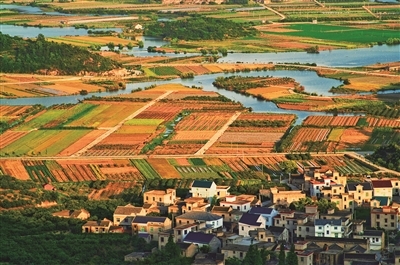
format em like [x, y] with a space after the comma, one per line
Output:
[34, 56]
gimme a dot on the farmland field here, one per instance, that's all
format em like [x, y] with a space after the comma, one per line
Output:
[164, 168]
[339, 33]
[44, 142]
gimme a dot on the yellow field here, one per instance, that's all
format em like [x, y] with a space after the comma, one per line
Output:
[271, 92]
[335, 135]
[368, 82]
[88, 40]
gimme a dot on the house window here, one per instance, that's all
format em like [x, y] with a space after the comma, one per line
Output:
[241, 254]
[392, 217]
[277, 222]
[327, 232]
[179, 232]
[377, 216]
[392, 224]
[159, 199]
[301, 259]
[185, 232]
[118, 220]
[237, 207]
[307, 229]
[242, 228]
[154, 199]
[245, 207]
[162, 239]
[261, 236]
[147, 198]
[151, 229]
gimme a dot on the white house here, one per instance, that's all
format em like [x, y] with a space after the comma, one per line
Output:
[316, 186]
[376, 238]
[235, 203]
[267, 213]
[208, 189]
[338, 228]
[249, 222]
[211, 220]
[138, 27]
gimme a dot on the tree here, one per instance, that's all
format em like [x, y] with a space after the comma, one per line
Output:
[253, 256]
[282, 255]
[171, 250]
[233, 261]
[288, 166]
[292, 257]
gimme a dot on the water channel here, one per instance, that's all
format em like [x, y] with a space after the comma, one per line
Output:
[309, 79]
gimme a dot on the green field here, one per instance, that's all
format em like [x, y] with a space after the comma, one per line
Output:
[144, 122]
[44, 142]
[145, 168]
[340, 33]
[165, 70]
[41, 120]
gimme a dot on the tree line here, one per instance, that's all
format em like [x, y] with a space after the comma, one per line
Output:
[31, 56]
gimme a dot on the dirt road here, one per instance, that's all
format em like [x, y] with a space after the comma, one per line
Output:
[104, 19]
[217, 134]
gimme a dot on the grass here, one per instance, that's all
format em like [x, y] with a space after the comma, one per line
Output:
[339, 33]
[145, 122]
[165, 70]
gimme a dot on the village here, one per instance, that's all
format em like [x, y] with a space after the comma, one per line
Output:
[318, 218]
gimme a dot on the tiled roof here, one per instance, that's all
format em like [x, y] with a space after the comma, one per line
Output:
[365, 185]
[382, 184]
[198, 237]
[224, 209]
[373, 233]
[250, 219]
[201, 216]
[202, 184]
[261, 210]
[145, 219]
[127, 209]
[327, 221]
[383, 201]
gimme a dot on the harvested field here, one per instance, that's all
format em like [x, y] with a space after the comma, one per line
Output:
[335, 134]
[251, 138]
[198, 121]
[14, 168]
[182, 161]
[193, 135]
[271, 92]
[382, 122]
[354, 138]
[213, 68]
[81, 142]
[160, 111]
[112, 189]
[163, 168]
[126, 129]
[177, 95]
[336, 121]
[11, 112]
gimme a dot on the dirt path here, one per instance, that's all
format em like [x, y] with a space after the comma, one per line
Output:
[71, 22]
[217, 134]
[109, 131]
[276, 12]
[369, 11]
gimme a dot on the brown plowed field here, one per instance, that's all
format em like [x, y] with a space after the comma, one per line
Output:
[163, 168]
[84, 141]
[193, 135]
[14, 168]
[10, 136]
[353, 137]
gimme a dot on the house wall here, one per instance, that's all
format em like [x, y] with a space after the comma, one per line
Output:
[95, 229]
[234, 254]
[190, 251]
[305, 260]
[385, 192]
[361, 195]
[153, 228]
[241, 207]
[215, 224]
[304, 231]
[328, 230]
[280, 197]
[204, 192]
[165, 199]
[375, 243]
[387, 221]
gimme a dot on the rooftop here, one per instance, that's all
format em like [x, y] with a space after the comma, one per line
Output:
[201, 216]
[146, 219]
[250, 219]
[353, 186]
[382, 184]
[202, 184]
[127, 210]
[261, 210]
[198, 237]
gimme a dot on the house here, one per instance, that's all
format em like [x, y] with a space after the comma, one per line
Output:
[209, 259]
[123, 215]
[379, 201]
[76, 214]
[281, 234]
[267, 213]
[150, 224]
[305, 230]
[97, 227]
[180, 232]
[227, 213]
[337, 228]
[361, 192]
[208, 189]
[194, 204]
[290, 219]
[283, 197]
[235, 203]
[383, 188]
[376, 238]
[249, 222]
[262, 235]
[211, 220]
[48, 186]
[138, 27]
[187, 249]
[235, 251]
[360, 259]
[161, 198]
[386, 217]
[201, 239]
[136, 256]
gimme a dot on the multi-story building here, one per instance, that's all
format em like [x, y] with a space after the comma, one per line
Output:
[97, 227]
[338, 228]
[212, 220]
[195, 204]
[290, 219]
[385, 217]
[235, 203]
[360, 192]
[249, 222]
[376, 238]
[152, 225]
[123, 215]
[208, 189]
[161, 197]
[227, 213]
[383, 188]
[285, 197]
